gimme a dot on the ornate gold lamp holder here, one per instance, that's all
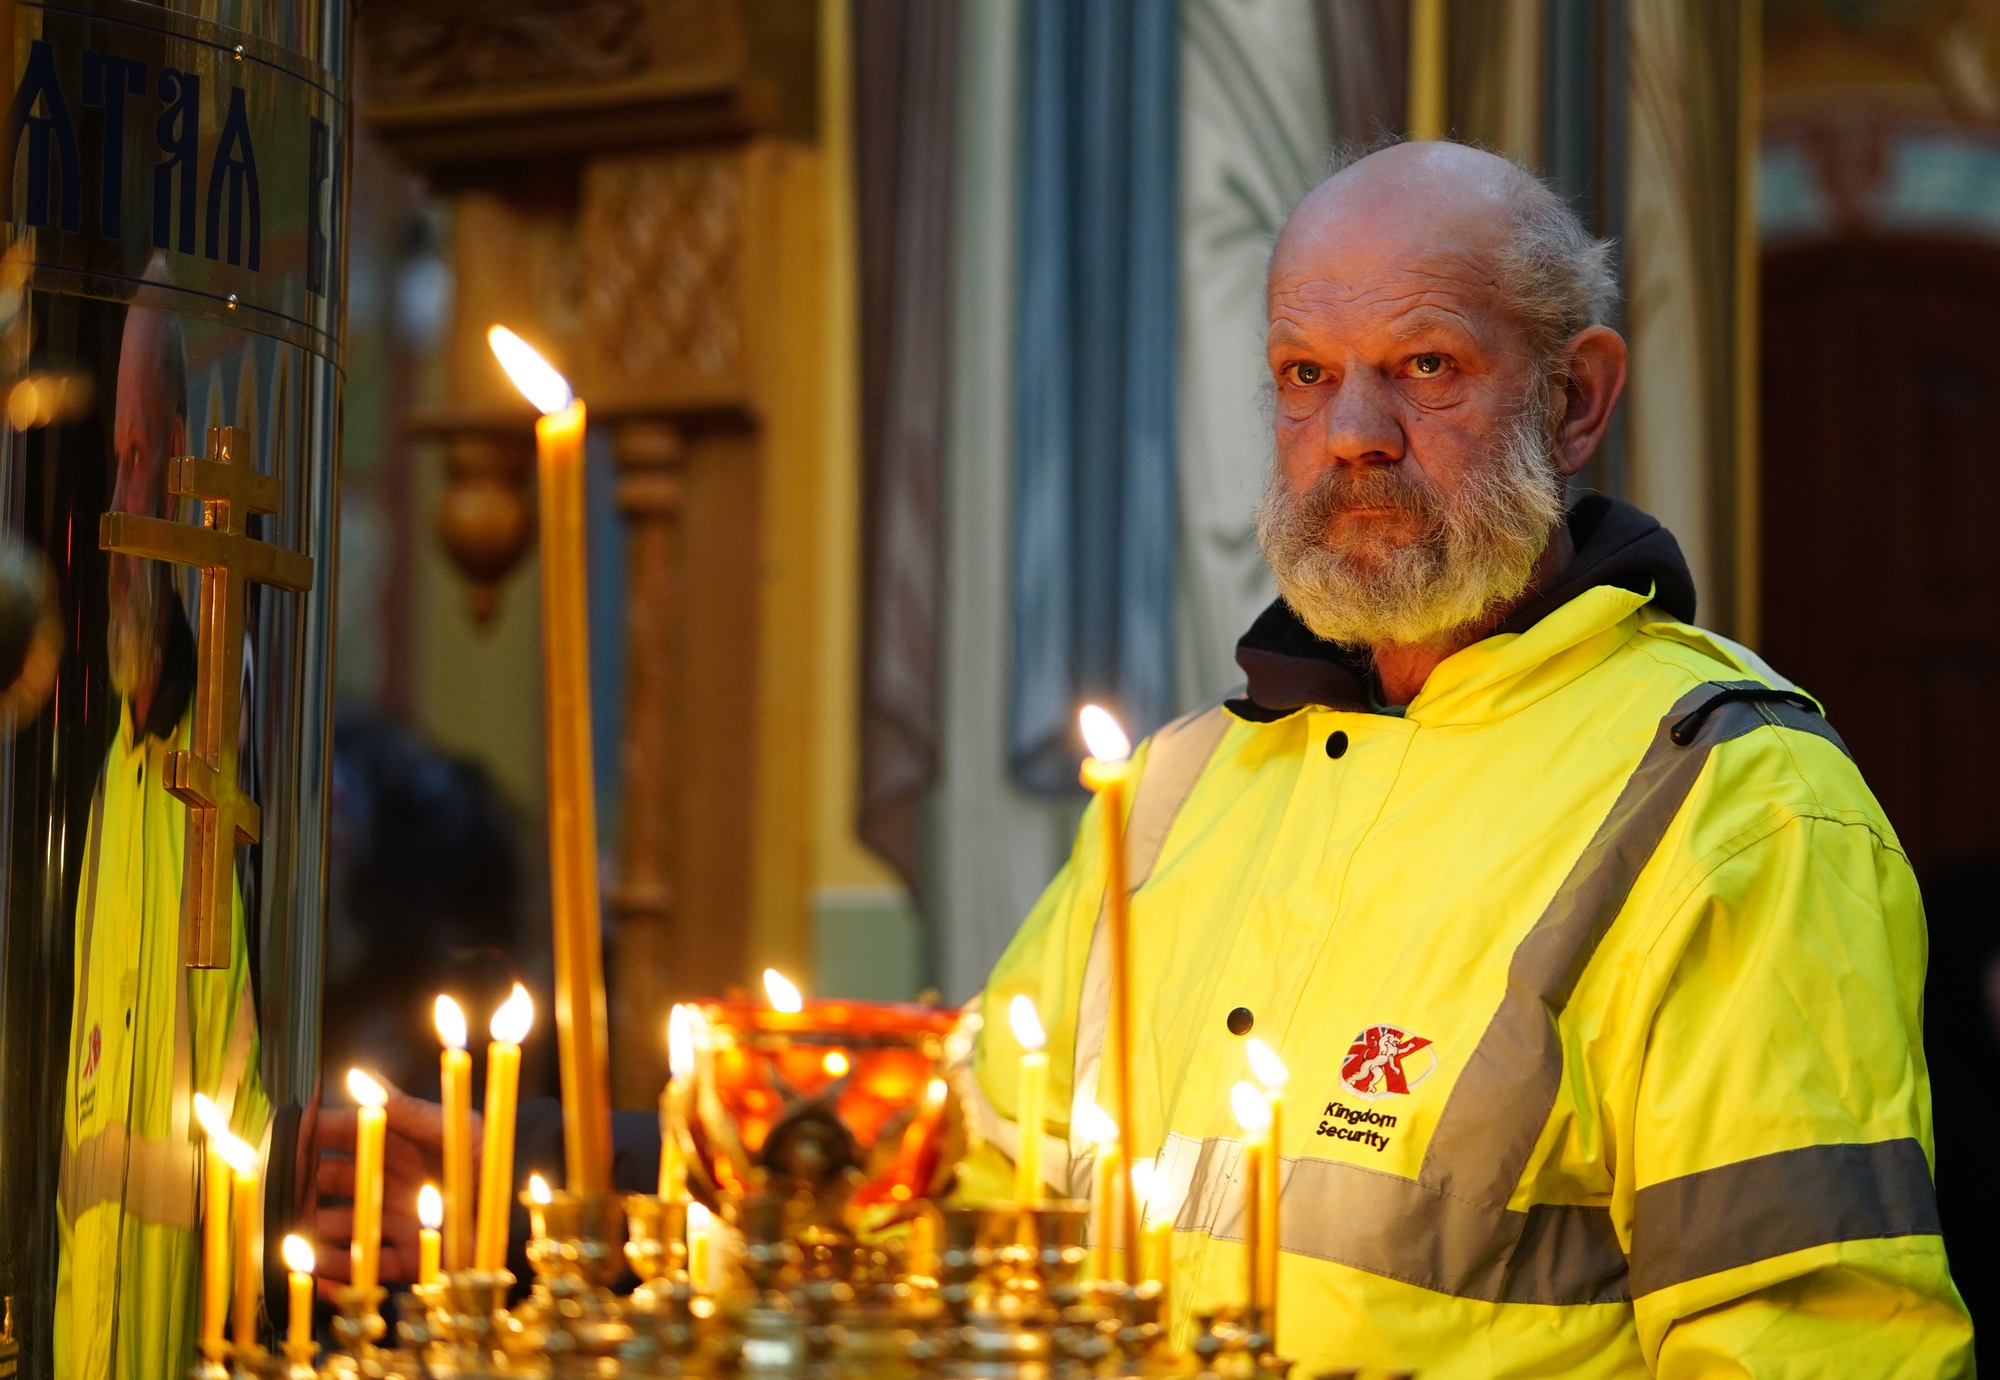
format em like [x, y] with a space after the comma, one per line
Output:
[822, 1144]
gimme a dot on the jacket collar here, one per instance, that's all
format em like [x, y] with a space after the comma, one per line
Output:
[1617, 546]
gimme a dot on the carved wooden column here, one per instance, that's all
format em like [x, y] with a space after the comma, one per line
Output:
[634, 186]
[649, 454]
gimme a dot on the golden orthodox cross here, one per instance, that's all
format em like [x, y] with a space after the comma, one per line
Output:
[219, 815]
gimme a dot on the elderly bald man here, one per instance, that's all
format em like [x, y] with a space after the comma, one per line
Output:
[1595, 964]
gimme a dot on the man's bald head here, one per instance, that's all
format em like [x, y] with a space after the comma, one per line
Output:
[1411, 202]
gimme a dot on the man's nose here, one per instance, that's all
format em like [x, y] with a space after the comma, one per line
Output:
[1361, 421]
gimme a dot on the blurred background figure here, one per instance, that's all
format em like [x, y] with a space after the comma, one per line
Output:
[425, 898]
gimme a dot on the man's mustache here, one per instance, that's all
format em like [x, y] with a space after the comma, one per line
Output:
[1342, 490]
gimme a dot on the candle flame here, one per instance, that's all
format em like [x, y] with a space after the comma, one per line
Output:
[235, 1153]
[1145, 1179]
[538, 1189]
[835, 1063]
[783, 993]
[934, 1092]
[1265, 1063]
[680, 1040]
[299, 1255]
[430, 1207]
[450, 1023]
[515, 1017]
[1250, 1107]
[1102, 735]
[698, 1219]
[1095, 1125]
[210, 1116]
[537, 379]
[366, 1090]
[1027, 1023]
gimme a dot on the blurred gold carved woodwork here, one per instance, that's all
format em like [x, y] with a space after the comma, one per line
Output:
[485, 81]
[663, 249]
[650, 455]
[486, 518]
[626, 179]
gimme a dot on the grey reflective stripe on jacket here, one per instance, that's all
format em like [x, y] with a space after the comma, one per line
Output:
[1450, 1228]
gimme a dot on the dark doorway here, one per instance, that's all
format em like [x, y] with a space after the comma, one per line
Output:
[1881, 590]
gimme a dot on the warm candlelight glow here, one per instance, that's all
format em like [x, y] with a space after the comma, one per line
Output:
[298, 1255]
[450, 1023]
[1027, 1023]
[1029, 1096]
[1103, 735]
[371, 1126]
[455, 1098]
[1143, 1180]
[515, 1017]
[680, 1041]
[1095, 1125]
[538, 381]
[835, 1063]
[1265, 1063]
[366, 1090]
[538, 1188]
[783, 993]
[430, 1207]
[241, 1157]
[210, 1116]
[1252, 1111]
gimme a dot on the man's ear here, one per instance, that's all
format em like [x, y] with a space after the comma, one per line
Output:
[1597, 360]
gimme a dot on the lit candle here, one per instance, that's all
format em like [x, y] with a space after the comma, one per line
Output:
[1272, 1073]
[455, 1081]
[699, 1246]
[1031, 1096]
[1156, 1230]
[783, 992]
[674, 1104]
[243, 1163]
[430, 1217]
[496, 1161]
[914, 1163]
[1099, 1129]
[572, 799]
[1107, 771]
[232, 1192]
[299, 1259]
[214, 1226]
[1254, 1113]
[371, 1123]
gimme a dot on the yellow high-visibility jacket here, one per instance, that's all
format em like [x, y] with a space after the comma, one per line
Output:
[148, 1033]
[1598, 974]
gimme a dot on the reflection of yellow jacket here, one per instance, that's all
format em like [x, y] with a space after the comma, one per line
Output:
[1604, 1049]
[148, 1033]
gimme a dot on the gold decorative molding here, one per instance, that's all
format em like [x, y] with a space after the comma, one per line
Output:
[484, 82]
[663, 255]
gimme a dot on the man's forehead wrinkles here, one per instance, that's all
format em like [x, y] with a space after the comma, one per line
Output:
[1406, 310]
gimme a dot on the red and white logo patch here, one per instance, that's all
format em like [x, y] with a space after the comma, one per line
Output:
[1385, 1059]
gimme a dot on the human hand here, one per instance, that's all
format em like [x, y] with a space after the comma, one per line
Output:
[412, 1155]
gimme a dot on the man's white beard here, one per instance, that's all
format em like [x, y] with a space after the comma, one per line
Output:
[1477, 548]
[138, 596]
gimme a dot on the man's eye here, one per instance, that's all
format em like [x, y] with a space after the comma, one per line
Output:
[1428, 366]
[1306, 375]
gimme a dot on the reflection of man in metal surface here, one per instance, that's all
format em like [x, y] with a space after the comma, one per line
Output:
[147, 1032]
